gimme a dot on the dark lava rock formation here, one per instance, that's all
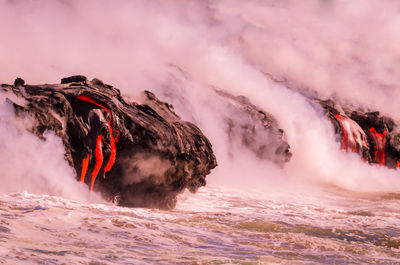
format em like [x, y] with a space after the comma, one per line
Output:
[375, 137]
[255, 129]
[246, 127]
[137, 154]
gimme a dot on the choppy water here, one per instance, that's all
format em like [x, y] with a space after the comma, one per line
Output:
[214, 226]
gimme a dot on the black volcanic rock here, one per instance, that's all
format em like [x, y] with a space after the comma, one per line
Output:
[138, 154]
[246, 127]
[375, 137]
[255, 129]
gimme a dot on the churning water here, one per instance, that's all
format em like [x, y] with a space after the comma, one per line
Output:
[215, 226]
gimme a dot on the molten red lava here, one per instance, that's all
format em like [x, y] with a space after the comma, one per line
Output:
[113, 148]
[346, 143]
[99, 149]
[91, 100]
[118, 134]
[398, 164]
[85, 164]
[99, 159]
[379, 141]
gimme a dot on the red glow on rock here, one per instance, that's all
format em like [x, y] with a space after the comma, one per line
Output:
[398, 164]
[118, 135]
[85, 164]
[379, 142]
[113, 154]
[99, 159]
[99, 147]
[91, 100]
[346, 143]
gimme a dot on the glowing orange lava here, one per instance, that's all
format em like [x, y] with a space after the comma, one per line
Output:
[99, 148]
[85, 164]
[118, 134]
[398, 164]
[113, 148]
[91, 100]
[346, 143]
[379, 141]
[99, 159]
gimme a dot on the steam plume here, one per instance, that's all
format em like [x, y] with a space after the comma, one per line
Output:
[334, 49]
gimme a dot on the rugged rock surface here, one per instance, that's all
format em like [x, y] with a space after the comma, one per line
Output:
[137, 154]
[246, 127]
[254, 128]
[375, 137]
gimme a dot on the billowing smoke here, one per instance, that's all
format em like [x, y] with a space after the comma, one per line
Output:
[268, 51]
[32, 164]
[341, 49]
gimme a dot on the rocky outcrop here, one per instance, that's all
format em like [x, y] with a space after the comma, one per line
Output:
[375, 137]
[137, 154]
[256, 130]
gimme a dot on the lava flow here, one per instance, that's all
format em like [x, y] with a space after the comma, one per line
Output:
[99, 159]
[85, 164]
[113, 154]
[91, 100]
[379, 141]
[347, 143]
[99, 147]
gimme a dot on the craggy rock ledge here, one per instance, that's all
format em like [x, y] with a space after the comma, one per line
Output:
[375, 137]
[138, 154]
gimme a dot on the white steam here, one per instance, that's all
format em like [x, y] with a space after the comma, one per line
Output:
[28, 163]
[347, 50]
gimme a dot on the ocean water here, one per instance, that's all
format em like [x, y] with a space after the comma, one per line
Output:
[214, 226]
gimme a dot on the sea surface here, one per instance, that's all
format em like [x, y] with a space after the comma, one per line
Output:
[214, 226]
